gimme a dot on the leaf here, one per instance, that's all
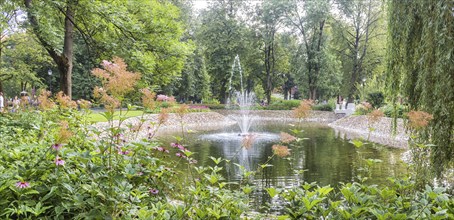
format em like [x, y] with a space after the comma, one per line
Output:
[272, 192]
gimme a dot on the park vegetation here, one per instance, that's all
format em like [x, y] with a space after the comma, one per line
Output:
[393, 57]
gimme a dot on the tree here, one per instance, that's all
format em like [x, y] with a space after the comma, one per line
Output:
[147, 33]
[309, 20]
[222, 36]
[268, 21]
[356, 26]
[421, 68]
[194, 84]
[23, 63]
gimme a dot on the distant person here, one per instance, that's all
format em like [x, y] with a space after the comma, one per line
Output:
[16, 104]
[2, 102]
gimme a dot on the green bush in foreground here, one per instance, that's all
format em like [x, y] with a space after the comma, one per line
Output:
[53, 167]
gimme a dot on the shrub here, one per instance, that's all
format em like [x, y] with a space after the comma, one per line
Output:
[363, 108]
[375, 99]
[323, 107]
[389, 111]
[280, 104]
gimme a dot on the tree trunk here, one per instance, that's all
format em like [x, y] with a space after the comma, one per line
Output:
[66, 76]
[64, 60]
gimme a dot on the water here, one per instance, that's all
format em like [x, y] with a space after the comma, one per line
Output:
[327, 158]
[240, 99]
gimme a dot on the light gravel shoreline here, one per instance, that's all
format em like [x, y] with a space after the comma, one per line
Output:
[350, 127]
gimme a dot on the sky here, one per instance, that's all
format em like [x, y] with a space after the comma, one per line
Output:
[200, 4]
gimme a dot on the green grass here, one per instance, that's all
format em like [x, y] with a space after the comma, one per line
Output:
[98, 117]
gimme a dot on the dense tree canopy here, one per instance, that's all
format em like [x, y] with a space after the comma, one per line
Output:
[421, 68]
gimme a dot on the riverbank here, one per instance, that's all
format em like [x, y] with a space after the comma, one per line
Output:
[350, 127]
[358, 126]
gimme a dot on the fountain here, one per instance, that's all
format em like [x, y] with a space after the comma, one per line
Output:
[242, 102]
[239, 98]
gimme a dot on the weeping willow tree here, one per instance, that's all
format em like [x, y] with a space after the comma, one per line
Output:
[421, 69]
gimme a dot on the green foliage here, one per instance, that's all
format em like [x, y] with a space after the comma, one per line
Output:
[396, 111]
[281, 104]
[111, 177]
[375, 99]
[323, 107]
[420, 69]
[360, 201]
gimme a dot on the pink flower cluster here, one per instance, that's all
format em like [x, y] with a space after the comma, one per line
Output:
[162, 98]
[161, 149]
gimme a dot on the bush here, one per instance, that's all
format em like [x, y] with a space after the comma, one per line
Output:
[323, 107]
[389, 111]
[283, 105]
[375, 99]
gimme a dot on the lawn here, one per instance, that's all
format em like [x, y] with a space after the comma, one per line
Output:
[98, 117]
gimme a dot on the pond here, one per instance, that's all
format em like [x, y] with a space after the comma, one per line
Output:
[322, 156]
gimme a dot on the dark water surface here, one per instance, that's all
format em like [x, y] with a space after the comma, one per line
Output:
[327, 158]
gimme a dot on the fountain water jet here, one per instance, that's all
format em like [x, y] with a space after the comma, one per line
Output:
[240, 99]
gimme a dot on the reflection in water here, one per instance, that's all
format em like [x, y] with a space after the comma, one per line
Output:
[230, 145]
[324, 158]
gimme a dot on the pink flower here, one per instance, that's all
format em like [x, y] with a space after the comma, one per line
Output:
[154, 191]
[59, 161]
[57, 146]
[162, 149]
[22, 184]
[126, 152]
[161, 98]
[180, 155]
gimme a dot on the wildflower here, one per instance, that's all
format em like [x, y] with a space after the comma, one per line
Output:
[65, 101]
[287, 138]
[248, 141]
[161, 149]
[110, 103]
[115, 78]
[183, 109]
[64, 133]
[180, 155]
[84, 104]
[375, 116]
[59, 161]
[162, 98]
[303, 110]
[181, 147]
[281, 151]
[419, 119]
[126, 152]
[163, 116]
[22, 184]
[148, 98]
[154, 191]
[57, 146]
[44, 101]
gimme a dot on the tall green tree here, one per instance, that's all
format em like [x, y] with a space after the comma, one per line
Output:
[24, 64]
[221, 35]
[421, 68]
[356, 26]
[268, 21]
[308, 18]
[146, 33]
